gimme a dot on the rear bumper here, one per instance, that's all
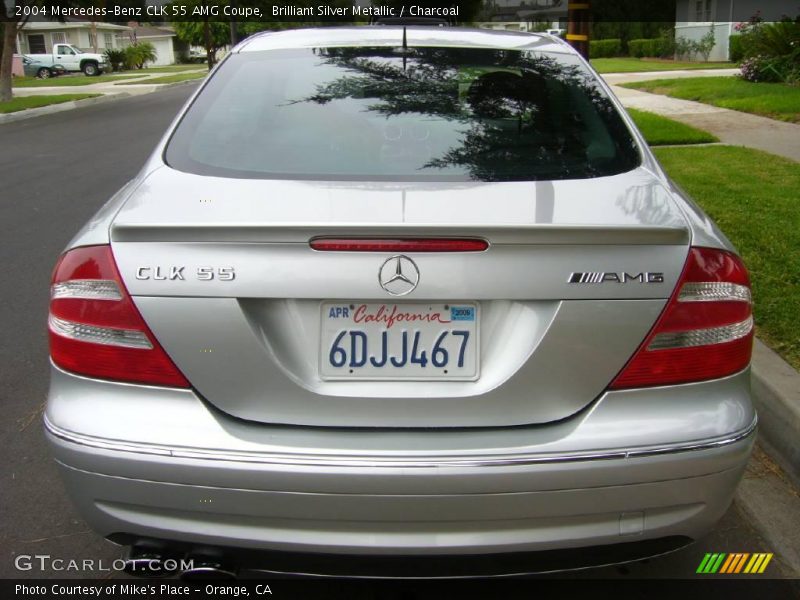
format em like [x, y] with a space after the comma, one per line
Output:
[408, 493]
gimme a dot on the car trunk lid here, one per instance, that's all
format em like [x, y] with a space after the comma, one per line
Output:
[575, 275]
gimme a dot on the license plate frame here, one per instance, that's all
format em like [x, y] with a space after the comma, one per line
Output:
[469, 372]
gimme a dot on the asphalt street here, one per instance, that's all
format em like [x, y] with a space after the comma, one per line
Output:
[56, 171]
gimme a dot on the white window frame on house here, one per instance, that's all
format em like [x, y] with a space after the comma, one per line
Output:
[58, 37]
[701, 11]
[108, 39]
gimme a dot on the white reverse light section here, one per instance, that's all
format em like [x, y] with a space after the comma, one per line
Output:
[86, 289]
[701, 337]
[714, 291]
[93, 334]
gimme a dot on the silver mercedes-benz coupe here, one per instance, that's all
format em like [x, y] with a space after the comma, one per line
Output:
[401, 293]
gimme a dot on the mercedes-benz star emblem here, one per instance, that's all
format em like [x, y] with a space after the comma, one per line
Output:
[399, 275]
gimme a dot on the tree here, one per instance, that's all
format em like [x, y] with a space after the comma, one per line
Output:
[211, 35]
[12, 24]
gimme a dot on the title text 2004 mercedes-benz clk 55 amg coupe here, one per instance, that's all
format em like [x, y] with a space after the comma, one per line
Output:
[410, 292]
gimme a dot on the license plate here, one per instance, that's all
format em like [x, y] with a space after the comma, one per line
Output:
[399, 341]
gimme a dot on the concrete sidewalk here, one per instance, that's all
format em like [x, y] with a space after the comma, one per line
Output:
[730, 126]
[124, 87]
[620, 78]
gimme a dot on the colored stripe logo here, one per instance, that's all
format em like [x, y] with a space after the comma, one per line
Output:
[734, 563]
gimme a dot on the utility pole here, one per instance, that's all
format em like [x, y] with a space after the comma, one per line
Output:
[578, 15]
[234, 25]
[207, 36]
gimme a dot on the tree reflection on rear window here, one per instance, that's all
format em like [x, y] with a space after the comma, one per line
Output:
[419, 114]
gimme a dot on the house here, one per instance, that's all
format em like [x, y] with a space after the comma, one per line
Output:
[164, 39]
[694, 18]
[37, 36]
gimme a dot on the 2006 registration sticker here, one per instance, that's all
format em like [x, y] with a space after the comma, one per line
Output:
[399, 340]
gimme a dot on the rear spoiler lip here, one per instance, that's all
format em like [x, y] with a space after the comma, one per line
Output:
[293, 233]
[296, 233]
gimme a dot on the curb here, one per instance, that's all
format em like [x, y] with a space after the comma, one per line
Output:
[776, 396]
[56, 108]
[162, 86]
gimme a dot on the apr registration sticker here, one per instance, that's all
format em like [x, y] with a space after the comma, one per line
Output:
[462, 313]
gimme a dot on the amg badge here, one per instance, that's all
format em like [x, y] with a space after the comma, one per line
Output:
[605, 277]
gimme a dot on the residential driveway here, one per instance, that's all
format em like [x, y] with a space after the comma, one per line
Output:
[56, 170]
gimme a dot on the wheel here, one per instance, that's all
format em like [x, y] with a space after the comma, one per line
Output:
[43, 73]
[90, 69]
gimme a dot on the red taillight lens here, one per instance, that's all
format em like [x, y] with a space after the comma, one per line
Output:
[95, 329]
[399, 245]
[706, 329]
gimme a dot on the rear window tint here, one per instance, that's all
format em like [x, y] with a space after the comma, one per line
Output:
[419, 114]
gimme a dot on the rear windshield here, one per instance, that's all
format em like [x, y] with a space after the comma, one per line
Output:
[416, 114]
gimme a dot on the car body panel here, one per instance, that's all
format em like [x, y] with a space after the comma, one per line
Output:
[104, 414]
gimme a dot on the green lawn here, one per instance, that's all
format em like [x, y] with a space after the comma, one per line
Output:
[24, 102]
[169, 78]
[640, 65]
[774, 100]
[753, 197]
[660, 131]
[68, 80]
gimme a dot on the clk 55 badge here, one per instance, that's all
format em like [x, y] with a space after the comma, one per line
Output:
[174, 273]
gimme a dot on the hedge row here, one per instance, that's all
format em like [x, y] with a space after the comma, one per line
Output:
[655, 47]
[605, 48]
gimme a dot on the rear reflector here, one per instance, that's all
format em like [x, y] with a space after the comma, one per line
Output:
[706, 329]
[399, 245]
[95, 329]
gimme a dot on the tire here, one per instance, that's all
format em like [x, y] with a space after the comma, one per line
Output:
[90, 69]
[43, 73]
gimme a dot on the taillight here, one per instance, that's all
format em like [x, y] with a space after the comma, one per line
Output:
[706, 329]
[95, 329]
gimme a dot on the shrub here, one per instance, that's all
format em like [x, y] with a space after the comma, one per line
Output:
[653, 47]
[667, 39]
[116, 58]
[686, 49]
[760, 69]
[605, 48]
[706, 43]
[773, 69]
[138, 55]
[774, 39]
[736, 48]
[771, 51]
[683, 48]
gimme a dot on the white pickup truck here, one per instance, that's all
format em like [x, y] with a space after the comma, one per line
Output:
[72, 59]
